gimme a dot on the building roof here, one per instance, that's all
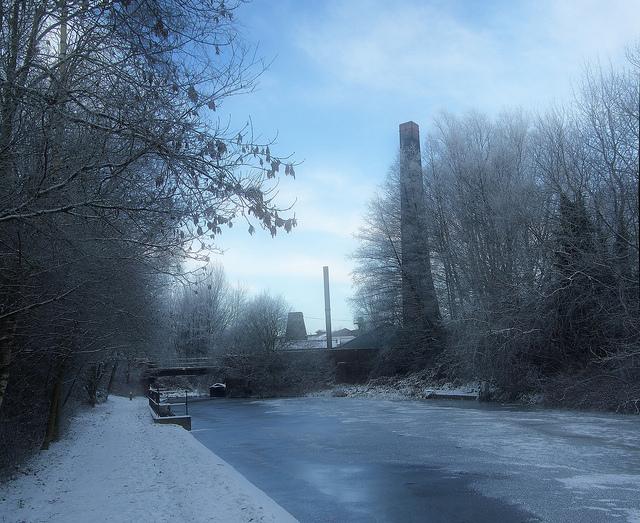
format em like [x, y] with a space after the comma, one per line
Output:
[379, 338]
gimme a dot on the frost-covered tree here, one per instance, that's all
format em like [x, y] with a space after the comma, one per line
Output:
[114, 166]
[533, 227]
[203, 313]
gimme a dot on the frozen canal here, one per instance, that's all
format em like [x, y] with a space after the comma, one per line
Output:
[348, 460]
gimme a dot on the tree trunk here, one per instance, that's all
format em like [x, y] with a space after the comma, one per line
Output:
[70, 391]
[113, 374]
[7, 337]
[53, 423]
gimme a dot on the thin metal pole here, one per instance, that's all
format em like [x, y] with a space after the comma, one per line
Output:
[186, 402]
[327, 305]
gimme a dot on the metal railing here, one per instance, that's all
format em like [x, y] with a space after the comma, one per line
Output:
[164, 402]
[182, 362]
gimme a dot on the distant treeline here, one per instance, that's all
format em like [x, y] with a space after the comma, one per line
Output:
[242, 335]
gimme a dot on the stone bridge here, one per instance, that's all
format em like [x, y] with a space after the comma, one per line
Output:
[351, 365]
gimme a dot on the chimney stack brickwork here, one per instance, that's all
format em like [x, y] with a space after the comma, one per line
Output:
[419, 303]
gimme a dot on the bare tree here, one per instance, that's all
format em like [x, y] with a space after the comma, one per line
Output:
[113, 168]
[378, 259]
[204, 311]
[534, 236]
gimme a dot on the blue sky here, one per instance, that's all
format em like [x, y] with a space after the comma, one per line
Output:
[346, 73]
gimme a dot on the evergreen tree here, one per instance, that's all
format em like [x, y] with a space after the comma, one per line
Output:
[578, 289]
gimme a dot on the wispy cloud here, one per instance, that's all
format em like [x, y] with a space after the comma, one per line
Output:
[348, 72]
[328, 201]
[243, 264]
[390, 48]
[505, 53]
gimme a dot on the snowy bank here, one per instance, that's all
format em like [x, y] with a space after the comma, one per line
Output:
[117, 466]
[413, 386]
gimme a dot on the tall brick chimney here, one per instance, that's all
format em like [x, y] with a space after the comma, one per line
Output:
[420, 310]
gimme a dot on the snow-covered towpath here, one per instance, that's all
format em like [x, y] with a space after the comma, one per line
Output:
[117, 466]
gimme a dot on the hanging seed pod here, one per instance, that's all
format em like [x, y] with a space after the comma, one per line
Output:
[192, 94]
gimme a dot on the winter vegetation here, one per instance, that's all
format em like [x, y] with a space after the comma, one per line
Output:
[114, 170]
[241, 335]
[532, 228]
[507, 265]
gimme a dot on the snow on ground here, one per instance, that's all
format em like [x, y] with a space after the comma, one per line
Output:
[409, 387]
[117, 466]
